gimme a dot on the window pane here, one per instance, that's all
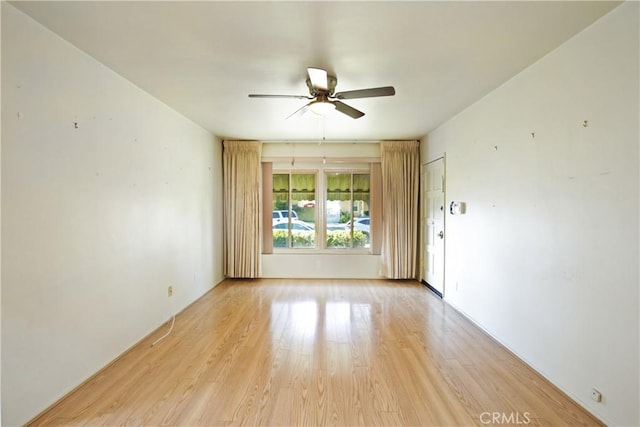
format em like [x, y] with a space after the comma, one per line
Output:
[361, 223]
[294, 210]
[338, 210]
[280, 201]
[303, 210]
[347, 207]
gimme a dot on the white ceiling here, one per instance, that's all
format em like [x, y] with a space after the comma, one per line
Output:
[204, 58]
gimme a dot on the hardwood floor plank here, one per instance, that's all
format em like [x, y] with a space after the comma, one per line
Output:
[281, 416]
[315, 352]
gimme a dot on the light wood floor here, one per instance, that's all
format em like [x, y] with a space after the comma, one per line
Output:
[317, 352]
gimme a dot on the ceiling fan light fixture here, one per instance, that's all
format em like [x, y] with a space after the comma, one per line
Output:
[321, 107]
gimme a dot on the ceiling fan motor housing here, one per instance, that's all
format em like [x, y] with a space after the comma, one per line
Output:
[332, 81]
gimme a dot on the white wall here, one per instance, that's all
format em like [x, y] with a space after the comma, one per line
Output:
[546, 258]
[97, 220]
[320, 264]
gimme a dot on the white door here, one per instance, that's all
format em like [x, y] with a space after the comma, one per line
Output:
[433, 219]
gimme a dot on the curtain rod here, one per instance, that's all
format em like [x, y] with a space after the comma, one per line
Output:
[324, 159]
[315, 141]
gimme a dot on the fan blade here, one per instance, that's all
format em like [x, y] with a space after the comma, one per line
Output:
[318, 78]
[349, 111]
[366, 93]
[253, 95]
[299, 112]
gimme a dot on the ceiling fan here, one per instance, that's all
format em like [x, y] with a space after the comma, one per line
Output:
[324, 98]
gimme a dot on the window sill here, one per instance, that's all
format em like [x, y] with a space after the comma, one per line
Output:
[306, 251]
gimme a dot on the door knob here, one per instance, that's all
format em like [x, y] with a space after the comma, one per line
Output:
[441, 234]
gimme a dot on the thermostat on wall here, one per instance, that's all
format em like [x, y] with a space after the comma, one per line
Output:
[457, 208]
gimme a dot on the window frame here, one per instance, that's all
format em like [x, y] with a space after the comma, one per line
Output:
[321, 170]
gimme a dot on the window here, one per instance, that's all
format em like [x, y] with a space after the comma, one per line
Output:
[347, 210]
[294, 210]
[321, 208]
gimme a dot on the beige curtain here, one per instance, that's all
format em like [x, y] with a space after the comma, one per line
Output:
[267, 206]
[375, 209]
[242, 176]
[400, 162]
